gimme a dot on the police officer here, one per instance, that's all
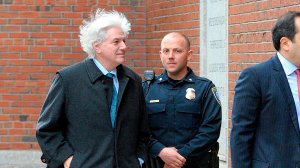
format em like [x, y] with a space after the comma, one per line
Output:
[184, 110]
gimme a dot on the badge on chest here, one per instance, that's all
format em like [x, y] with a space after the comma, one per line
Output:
[190, 94]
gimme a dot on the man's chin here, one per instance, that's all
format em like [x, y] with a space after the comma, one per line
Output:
[171, 69]
[121, 61]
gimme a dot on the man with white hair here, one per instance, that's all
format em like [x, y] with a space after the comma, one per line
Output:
[94, 114]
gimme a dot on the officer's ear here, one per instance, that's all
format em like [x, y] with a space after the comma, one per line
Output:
[160, 55]
[190, 53]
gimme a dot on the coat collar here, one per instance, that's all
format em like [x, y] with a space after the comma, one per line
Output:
[94, 73]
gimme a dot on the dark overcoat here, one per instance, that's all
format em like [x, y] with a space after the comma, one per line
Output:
[75, 119]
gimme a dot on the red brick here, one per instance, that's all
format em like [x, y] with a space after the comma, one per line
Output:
[60, 62]
[11, 111]
[29, 14]
[75, 2]
[18, 125]
[31, 69]
[22, 104]
[39, 49]
[39, 2]
[72, 15]
[11, 28]
[31, 110]
[52, 56]
[4, 117]
[71, 29]
[82, 8]
[51, 69]
[8, 15]
[40, 35]
[50, 15]
[35, 76]
[29, 125]
[21, 90]
[61, 8]
[17, 62]
[39, 62]
[20, 146]
[4, 146]
[58, 42]
[19, 8]
[38, 21]
[51, 28]
[28, 42]
[3, 131]
[60, 21]
[30, 55]
[61, 35]
[17, 21]
[32, 97]
[3, 35]
[19, 35]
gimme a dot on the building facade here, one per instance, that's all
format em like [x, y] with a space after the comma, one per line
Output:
[38, 37]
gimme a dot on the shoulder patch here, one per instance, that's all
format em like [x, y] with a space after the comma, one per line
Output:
[216, 95]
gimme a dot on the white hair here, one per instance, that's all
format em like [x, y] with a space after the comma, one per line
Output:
[95, 29]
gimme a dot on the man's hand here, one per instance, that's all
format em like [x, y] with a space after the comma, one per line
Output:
[171, 158]
[67, 162]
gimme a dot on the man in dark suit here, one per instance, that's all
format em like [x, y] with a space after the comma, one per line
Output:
[266, 109]
[89, 119]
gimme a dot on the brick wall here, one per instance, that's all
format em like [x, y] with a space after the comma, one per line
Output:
[167, 16]
[249, 37]
[38, 37]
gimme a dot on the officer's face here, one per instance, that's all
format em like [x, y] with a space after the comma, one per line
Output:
[174, 55]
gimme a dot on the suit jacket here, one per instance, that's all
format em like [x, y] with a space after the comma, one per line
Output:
[75, 119]
[265, 131]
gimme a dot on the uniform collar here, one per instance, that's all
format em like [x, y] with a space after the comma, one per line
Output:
[189, 77]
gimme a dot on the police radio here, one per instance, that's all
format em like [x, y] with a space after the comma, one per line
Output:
[149, 76]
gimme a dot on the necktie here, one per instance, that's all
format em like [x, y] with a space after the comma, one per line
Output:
[113, 106]
[298, 81]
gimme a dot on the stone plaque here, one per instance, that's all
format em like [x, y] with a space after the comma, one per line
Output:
[214, 59]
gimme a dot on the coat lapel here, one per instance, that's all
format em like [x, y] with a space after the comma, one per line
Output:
[283, 84]
[123, 80]
[93, 71]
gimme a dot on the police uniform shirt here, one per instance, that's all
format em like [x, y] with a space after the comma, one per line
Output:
[185, 114]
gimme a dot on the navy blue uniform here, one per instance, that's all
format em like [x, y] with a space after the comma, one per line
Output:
[188, 120]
